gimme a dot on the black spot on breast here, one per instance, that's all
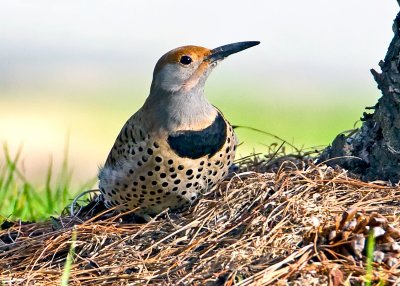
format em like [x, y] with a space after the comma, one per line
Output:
[196, 144]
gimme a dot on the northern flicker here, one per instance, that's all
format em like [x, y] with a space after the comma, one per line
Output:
[177, 145]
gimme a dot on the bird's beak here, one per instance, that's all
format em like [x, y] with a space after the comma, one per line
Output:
[222, 52]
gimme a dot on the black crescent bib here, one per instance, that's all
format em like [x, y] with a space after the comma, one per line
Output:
[196, 144]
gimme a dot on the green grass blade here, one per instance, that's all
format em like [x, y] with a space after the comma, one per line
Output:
[70, 257]
[48, 189]
[370, 259]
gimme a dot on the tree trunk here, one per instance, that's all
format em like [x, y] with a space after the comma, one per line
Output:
[376, 145]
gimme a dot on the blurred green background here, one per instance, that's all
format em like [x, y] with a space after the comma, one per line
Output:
[76, 70]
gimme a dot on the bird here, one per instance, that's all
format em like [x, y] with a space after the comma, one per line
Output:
[177, 146]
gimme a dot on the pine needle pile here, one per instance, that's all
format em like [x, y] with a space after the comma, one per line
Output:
[300, 224]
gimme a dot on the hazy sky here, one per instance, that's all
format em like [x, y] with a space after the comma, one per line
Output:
[329, 40]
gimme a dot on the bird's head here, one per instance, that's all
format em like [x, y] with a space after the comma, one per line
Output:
[186, 68]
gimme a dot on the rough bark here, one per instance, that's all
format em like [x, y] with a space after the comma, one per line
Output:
[377, 143]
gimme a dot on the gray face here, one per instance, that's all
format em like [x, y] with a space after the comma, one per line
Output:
[181, 70]
[173, 77]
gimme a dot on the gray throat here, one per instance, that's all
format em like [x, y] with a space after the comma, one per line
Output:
[178, 111]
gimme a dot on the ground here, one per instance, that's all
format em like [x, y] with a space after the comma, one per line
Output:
[272, 222]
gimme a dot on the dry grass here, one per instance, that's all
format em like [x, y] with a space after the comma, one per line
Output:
[301, 224]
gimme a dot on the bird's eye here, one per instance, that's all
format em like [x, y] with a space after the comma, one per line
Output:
[185, 60]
